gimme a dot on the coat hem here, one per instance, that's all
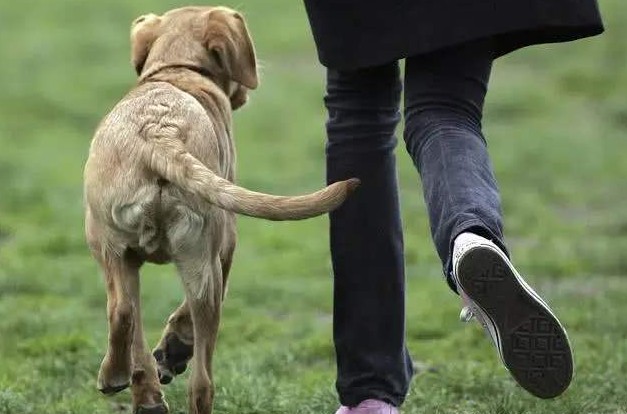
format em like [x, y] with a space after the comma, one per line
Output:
[505, 42]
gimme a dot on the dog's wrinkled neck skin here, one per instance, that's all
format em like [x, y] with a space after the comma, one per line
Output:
[187, 77]
[200, 84]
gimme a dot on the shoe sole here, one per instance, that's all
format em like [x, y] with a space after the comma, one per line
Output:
[532, 343]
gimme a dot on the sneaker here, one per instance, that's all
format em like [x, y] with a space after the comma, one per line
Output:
[530, 340]
[369, 407]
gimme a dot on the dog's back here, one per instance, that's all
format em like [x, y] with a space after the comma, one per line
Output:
[129, 201]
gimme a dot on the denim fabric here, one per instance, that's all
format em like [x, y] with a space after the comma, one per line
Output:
[444, 94]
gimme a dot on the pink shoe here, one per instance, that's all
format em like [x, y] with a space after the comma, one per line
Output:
[369, 407]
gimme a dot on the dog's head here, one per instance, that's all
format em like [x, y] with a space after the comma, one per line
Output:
[214, 40]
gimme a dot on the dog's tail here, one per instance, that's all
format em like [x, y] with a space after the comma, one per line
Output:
[171, 161]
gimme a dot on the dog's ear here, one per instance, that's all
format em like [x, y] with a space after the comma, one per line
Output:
[144, 32]
[239, 97]
[230, 48]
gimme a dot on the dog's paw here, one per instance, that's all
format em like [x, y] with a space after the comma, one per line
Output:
[111, 386]
[110, 380]
[112, 389]
[172, 356]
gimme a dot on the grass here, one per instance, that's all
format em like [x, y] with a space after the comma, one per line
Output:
[556, 121]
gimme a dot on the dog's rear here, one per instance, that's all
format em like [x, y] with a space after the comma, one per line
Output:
[126, 200]
[159, 187]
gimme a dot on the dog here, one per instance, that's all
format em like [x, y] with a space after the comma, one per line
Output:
[159, 187]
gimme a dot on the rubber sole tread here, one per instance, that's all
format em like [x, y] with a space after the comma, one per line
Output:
[534, 346]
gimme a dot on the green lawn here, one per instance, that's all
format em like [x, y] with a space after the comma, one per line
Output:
[556, 122]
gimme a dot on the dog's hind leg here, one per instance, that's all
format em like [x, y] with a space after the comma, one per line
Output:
[120, 272]
[147, 396]
[195, 245]
[176, 346]
[205, 306]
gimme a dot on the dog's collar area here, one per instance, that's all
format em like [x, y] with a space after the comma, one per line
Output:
[193, 68]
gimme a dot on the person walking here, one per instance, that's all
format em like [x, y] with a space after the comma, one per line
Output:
[449, 47]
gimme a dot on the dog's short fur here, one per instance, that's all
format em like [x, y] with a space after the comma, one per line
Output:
[159, 188]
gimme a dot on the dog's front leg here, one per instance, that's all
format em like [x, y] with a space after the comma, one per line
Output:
[176, 346]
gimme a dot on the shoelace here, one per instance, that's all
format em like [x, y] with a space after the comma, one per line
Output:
[466, 315]
[468, 312]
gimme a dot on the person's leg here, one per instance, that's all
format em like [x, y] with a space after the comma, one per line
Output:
[366, 237]
[444, 96]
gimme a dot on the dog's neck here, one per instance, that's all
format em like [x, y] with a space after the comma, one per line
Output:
[209, 94]
[199, 83]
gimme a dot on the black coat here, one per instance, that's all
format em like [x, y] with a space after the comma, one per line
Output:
[350, 34]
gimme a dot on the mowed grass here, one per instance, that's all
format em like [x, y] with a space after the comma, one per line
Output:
[556, 121]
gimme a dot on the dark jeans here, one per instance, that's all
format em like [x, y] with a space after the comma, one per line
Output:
[444, 95]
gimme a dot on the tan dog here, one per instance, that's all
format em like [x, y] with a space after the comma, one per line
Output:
[159, 188]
